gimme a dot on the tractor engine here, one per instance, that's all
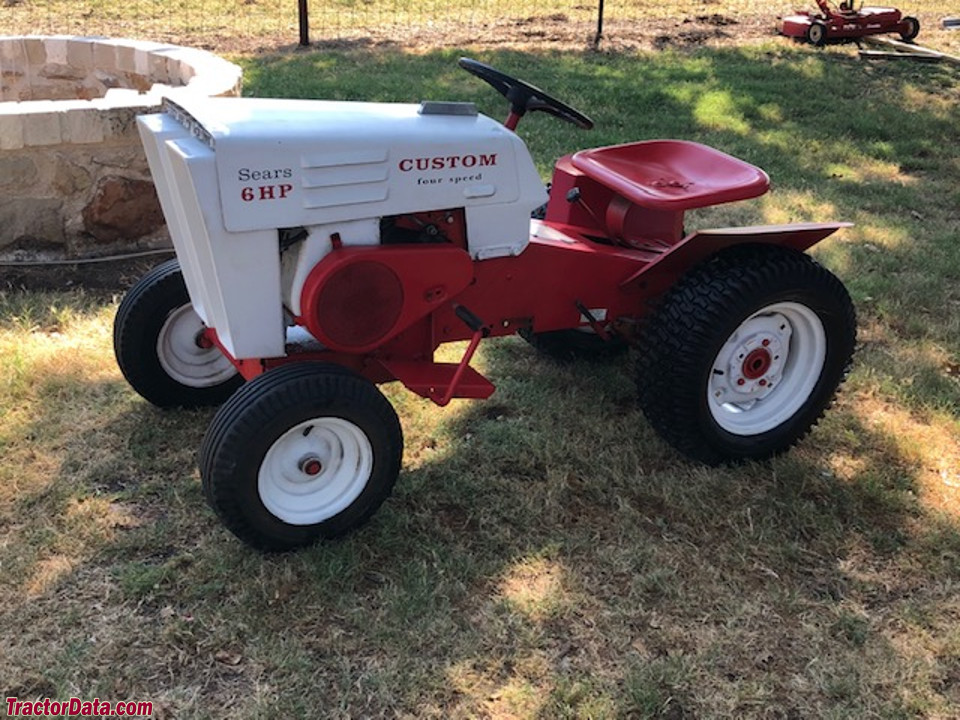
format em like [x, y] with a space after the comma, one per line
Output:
[275, 208]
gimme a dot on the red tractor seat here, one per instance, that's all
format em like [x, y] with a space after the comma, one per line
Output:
[673, 175]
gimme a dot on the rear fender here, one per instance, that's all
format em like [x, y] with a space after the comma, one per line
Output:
[658, 276]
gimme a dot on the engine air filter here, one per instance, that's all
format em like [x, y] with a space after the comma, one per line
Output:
[359, 304]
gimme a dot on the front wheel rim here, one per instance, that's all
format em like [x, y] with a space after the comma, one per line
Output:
[767, 369]
[315, 470]
[184, 354]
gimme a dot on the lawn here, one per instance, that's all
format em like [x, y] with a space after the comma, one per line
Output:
[544, 555]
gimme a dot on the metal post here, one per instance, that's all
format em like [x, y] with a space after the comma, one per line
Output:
[596, 40]
[305, 24]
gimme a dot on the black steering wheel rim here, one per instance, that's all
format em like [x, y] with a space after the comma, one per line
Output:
[524, 97]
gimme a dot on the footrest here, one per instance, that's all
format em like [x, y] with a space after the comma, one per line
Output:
[430, 379]
[672, 174]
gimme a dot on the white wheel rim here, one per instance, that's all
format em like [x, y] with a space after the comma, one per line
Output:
[816, 33]
[767, 369]
[184, 357]
[315, 470]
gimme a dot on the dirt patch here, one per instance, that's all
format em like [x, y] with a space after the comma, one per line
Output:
[563, 33]
[107, 277]
[576, 30]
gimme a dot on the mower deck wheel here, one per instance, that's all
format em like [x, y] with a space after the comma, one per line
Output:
[913, 28]
[817, 33]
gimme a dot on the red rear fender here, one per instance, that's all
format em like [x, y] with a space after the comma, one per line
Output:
[659, 275]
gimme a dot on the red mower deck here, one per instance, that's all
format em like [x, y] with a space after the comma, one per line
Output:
[843, 23]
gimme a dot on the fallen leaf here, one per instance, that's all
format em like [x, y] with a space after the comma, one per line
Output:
[226, 657]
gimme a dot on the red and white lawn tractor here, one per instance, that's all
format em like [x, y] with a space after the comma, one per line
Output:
[325, 247]
[844, 22]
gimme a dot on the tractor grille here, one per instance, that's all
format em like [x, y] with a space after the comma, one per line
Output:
[344, 178]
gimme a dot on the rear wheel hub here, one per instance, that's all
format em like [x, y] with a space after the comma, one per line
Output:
[750, 364]
[767, 368]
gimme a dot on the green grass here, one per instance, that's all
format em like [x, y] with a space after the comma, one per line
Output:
[544, 554]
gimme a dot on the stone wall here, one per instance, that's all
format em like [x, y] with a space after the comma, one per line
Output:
[74, 180]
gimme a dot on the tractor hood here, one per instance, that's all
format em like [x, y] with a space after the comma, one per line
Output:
[285, 163]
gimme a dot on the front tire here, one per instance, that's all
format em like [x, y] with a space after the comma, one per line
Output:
[157, 340]
[745, 354]
[302, 452]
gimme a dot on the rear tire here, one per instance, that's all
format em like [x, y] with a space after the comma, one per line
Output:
[302, 452]
[745, 354]
[156, 339]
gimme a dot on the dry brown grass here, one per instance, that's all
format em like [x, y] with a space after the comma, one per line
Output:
[241, 26]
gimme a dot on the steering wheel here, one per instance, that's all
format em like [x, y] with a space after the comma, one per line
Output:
[524, 97]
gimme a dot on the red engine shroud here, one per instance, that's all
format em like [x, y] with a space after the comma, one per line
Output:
[357, 299]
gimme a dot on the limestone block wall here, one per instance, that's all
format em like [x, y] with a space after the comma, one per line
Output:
[74, 180]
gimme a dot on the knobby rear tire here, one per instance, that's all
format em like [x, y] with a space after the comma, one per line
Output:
[693, 365]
